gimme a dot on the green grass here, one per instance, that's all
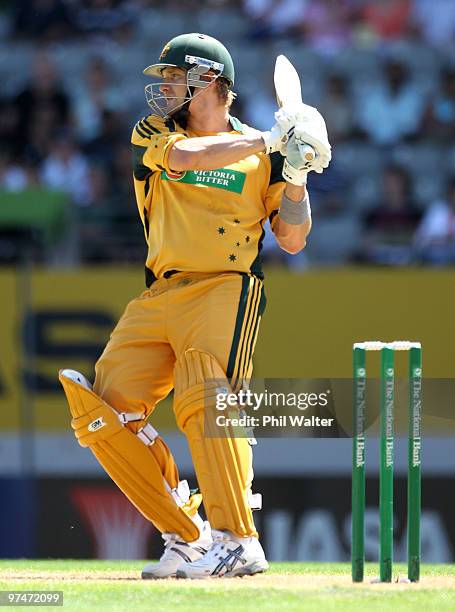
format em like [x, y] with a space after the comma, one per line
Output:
[116, 585]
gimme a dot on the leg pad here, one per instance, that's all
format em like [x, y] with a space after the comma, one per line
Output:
[223, 464]
[146, 473]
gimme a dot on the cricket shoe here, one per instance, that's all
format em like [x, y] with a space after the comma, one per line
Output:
[228, 556]
[176, 552]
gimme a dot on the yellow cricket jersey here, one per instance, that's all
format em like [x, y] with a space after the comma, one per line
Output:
[201, 220]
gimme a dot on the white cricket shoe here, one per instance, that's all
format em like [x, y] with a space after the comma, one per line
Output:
[176, 552]
[228, 556]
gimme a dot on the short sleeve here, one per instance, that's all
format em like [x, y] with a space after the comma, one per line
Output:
[276, 187]
[152, 140]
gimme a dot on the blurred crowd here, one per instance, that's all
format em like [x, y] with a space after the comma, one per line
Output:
[382, 74]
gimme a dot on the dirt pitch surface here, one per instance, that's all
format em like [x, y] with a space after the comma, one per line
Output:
[269, 580]
[288, 586]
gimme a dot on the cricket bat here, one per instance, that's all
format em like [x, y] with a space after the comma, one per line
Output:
[289, 93]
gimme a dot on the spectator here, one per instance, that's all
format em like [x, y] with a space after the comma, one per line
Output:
[336, 106]
[66, 169]
[392, 110]
[327, 191]
[435, 20]
[104, 17]
[113, 133]
[10, 140]
[435, 236]
[390, 225]
[95, 221]
[47, 20]
[110, 228]
[274, 17]
[16, 177]
[122, 189]
[40, 134]
[387, 20]
[97, 95]
[440, 115]
[43, 105]
[123, 203]
[328, 25]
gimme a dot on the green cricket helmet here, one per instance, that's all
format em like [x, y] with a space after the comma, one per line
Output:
[198, 54]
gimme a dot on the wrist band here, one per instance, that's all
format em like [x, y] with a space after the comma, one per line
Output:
[295, 213]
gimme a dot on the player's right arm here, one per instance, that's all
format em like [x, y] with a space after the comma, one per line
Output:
[213, 152]
[157, 148]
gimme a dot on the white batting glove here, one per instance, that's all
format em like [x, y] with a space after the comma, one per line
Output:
[296, 167]
[311, 130]
[277, 138]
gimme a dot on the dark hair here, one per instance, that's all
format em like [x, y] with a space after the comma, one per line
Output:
[225, 93]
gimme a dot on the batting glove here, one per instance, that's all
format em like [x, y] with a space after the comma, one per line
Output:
[277, 138]
[296, 167]
[311, 130]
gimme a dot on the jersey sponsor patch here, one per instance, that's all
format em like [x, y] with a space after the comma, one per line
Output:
[231, 180]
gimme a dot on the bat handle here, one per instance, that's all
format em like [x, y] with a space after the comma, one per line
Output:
[307, 152]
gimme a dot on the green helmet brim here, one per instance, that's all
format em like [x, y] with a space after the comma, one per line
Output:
[156, 70]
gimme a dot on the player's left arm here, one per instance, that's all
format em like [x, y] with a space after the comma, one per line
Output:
[293, 222]
[288, 208]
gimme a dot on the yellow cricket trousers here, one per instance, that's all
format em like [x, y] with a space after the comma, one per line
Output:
[215, 313]
[218, 314]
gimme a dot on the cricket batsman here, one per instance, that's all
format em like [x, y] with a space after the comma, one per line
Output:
[205, 186]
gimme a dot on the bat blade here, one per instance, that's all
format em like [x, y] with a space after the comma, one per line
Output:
[287, 82]
[289, 93]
